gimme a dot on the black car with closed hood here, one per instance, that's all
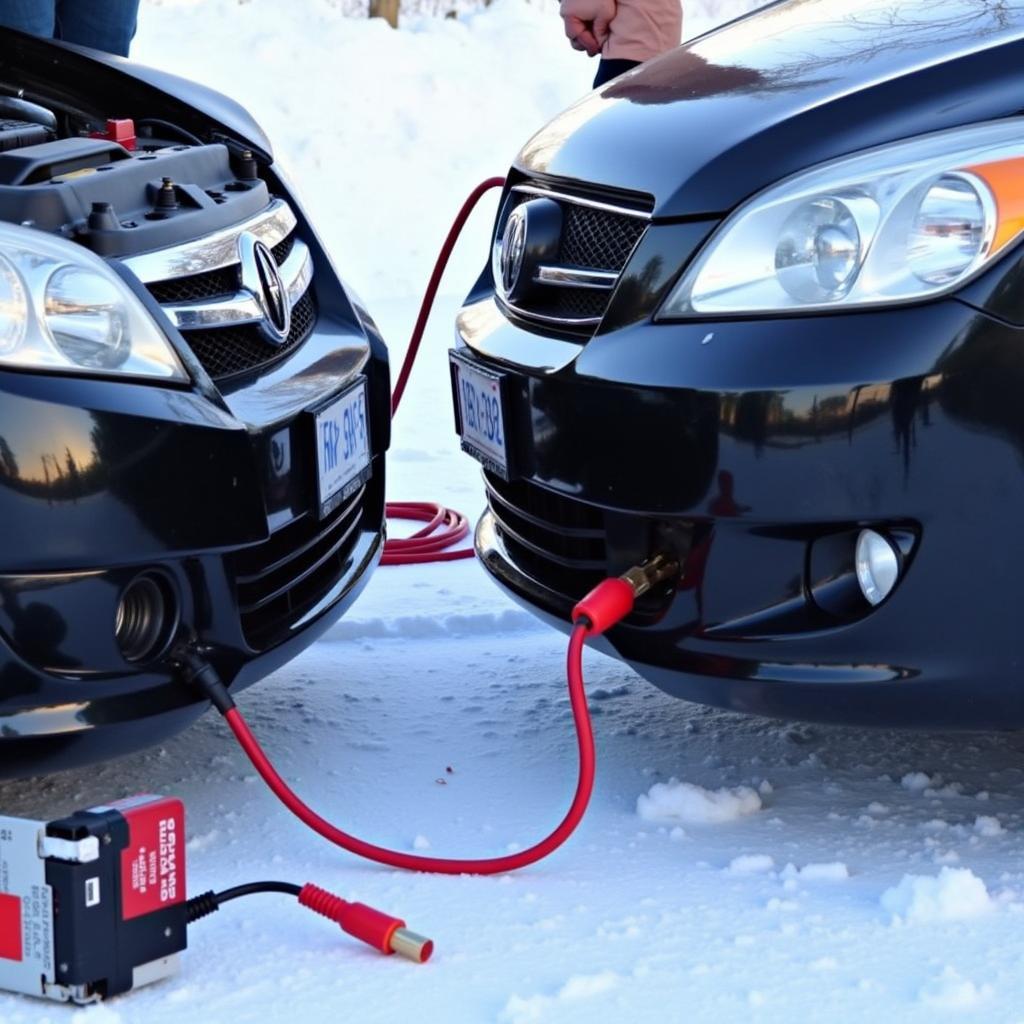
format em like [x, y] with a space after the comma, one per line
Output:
[193, 407]
[757, 306]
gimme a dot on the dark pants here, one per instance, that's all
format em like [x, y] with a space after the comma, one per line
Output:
[102, 24]
[609, 69]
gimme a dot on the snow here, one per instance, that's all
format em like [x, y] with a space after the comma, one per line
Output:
[835, 871]
[580, 988]
[435, 715]
[693, 805]
[955, 894]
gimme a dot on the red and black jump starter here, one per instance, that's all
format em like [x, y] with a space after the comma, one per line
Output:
[93, 904]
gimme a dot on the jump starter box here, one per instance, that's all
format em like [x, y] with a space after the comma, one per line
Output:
[93, 905]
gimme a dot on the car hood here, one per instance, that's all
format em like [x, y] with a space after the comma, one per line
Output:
[46, 70]
[789, 86]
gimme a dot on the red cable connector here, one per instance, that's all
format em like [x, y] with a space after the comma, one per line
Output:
[383, 932]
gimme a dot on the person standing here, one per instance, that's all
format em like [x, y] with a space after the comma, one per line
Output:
[624, 32]
[101, 24]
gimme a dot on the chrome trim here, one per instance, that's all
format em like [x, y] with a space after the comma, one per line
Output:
[261, 278]
[244, 307]
[586, 321]
[594, 204]
[214, 251]
[577, 277]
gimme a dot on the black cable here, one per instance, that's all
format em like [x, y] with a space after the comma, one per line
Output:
[182, 133]
[206, 903]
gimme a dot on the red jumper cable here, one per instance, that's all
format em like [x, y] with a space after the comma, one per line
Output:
[445, 526]
[605, 606]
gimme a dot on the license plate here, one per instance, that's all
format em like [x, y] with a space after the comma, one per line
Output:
[481, 414]
[342, 447]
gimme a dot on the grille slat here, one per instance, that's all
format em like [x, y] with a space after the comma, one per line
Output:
[286, 583]
[282, 578]
[550, 534]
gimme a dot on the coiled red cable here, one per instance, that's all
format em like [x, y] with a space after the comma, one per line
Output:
[445, 865]
[445, 527]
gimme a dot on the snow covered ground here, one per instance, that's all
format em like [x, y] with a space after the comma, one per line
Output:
[730, 868]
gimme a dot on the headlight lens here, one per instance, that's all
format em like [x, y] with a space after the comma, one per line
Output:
[63, 309]
[87, 319]
[948, 232]
[819, 250]
[13, 309]
[902, 222]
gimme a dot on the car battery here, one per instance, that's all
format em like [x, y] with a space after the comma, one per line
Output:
[93, 904]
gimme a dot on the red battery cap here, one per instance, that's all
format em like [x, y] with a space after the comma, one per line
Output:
[119, 129]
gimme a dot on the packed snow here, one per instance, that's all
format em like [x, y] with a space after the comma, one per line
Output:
[955, 894]
[694, 805]
[434, 717]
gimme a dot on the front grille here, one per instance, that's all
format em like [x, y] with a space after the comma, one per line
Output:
[213, 283]
[597, 238]
[232, 350]
[226, 352]
[281, 579]
[592, 238]
[557, 540]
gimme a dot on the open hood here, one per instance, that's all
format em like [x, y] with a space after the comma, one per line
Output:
[792, 85]
[55, 72]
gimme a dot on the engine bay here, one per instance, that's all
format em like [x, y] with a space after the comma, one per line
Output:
[120, 187]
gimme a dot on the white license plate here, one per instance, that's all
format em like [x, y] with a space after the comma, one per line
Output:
[481, 415]
[342, 447]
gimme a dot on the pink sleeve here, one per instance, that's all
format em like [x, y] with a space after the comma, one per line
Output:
[586, 10]
[643, 29]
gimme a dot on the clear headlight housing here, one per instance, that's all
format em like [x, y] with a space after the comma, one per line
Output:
[63, 309]
[900, 223]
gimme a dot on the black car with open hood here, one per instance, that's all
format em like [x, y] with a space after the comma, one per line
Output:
[193, 408]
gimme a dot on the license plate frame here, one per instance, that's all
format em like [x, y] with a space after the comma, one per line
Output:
[494, 454]
[337, 482]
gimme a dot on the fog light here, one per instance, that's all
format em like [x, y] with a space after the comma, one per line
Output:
[878, 566]
[146, 616]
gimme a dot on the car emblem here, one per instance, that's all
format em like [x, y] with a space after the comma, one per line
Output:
[513, 249]
[261, 279]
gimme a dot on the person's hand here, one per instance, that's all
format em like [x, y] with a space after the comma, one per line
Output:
[587, 23]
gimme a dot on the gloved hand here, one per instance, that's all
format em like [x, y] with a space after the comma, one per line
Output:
[587, 23]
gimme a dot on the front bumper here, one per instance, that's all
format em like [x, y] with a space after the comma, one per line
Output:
[214, 491]
[753, 447]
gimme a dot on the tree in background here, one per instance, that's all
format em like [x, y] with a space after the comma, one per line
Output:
[386, 9]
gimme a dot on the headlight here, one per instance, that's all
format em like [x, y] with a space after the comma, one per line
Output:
[899, 223]
[63, 309]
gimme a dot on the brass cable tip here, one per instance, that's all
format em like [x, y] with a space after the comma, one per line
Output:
[658, 569]
[412, 946]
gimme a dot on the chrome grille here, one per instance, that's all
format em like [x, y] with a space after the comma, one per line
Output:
[199, 286]
[596, 242]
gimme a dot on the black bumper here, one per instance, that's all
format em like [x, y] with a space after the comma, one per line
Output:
[215, 493]
[759, 449]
